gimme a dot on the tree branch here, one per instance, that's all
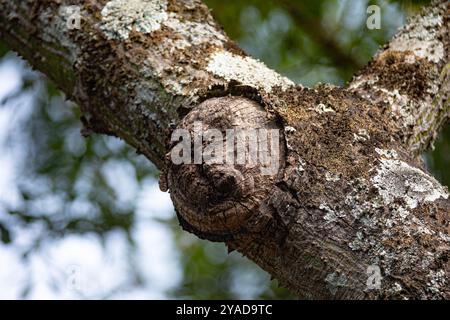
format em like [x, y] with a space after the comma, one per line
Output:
[410, 77]
[348, 193]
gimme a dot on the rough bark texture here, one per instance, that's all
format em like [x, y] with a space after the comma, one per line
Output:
[410, 78]
[349, 192]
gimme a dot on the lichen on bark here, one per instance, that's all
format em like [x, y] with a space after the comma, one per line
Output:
[349, 193]
[120, 17]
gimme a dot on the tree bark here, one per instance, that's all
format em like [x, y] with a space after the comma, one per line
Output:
[350, 194]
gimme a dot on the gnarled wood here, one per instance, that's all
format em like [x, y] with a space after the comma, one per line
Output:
[349, 193]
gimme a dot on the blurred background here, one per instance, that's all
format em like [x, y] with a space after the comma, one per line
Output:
[84, 217]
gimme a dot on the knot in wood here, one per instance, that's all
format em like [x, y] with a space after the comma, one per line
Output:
[219, 200]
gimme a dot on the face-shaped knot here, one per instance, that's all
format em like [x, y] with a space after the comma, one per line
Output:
[225, 156]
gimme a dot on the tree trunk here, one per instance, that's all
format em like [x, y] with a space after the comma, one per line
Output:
[350, 197]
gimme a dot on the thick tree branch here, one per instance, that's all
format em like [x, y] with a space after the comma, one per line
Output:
[348, 194]
[411, 77]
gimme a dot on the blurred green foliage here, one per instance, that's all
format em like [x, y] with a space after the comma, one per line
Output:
[308, 41]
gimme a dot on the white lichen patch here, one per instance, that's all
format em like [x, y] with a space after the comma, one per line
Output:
[194, 33]
[396, 179]
[119, 17]
[421, 37]
[358, 242]
[355, 199]
[246, 70]
[401, 212]
[332, 177]
[364, 80]
[444, 237]
[330, 215]
[396, 288]
[289, 130]
[322, 108]
[301, 165]
[437, 281]
[400, 105]
[334, 281]
[362, 135]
